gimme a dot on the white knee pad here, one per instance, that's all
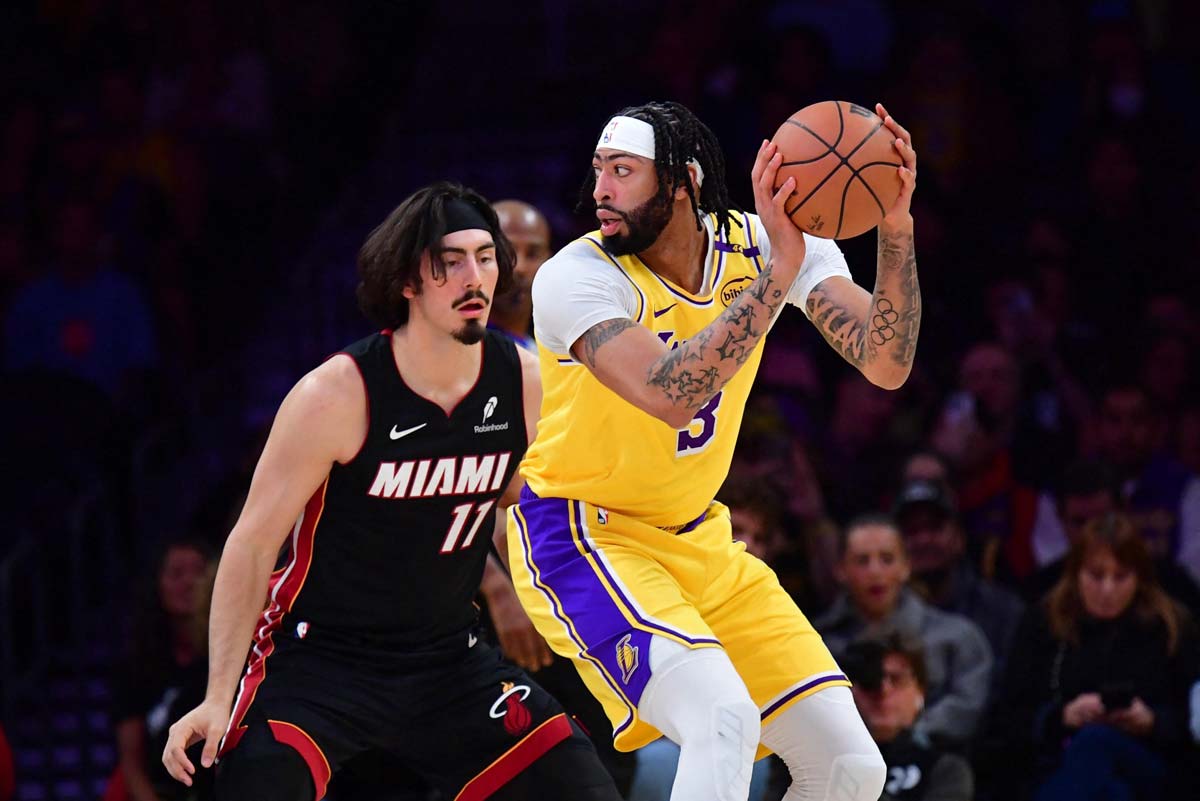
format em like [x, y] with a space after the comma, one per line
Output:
[827, 748]
[696, 698]
[855, 777]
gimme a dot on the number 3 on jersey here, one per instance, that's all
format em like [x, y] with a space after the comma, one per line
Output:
[700, 431]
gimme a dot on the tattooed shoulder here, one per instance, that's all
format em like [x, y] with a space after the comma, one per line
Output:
[600, 333]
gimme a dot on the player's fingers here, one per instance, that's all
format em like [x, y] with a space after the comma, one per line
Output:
[760, 163]
[212, 740]
[765, 184]
[899, 130]
[785, 192]
[177, 763]
[907, 153]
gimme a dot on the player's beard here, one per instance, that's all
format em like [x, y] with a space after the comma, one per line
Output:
[471, 333]
[644, 224]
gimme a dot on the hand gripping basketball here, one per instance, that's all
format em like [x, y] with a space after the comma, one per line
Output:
[853, 168]
[900, 212]
[787, 241]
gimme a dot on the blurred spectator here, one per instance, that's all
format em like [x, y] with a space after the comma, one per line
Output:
[859, 450]
[1097, 691]
[1090, 490]
[1161, 494]
[164, 675]
[925, 466]
[876, 604]
[992, 445]
[83, 318]
[529, 232]
[925, 513]
[890, 683]
[804, 553]
[1167, 369]
[754, 514]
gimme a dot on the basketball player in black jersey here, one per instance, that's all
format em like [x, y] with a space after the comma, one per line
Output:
[380, 479]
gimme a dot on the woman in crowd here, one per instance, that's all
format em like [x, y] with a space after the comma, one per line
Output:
[1098, 683]
[163, 675]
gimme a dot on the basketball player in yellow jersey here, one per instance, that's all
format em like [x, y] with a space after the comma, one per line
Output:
[649, 335]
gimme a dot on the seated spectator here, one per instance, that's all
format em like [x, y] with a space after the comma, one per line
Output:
[164, 675]
[876, 604]
[83, 318]
[1098, 689]
[992, 439]
[1162, 496]
[889, 687]
[928, 520]
[1090, 490]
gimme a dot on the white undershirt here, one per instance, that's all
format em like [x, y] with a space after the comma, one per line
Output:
[579, 287]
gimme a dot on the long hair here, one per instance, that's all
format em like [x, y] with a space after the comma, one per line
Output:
[151, 635]
[678, 136]
[390, 259]
[1117, 534]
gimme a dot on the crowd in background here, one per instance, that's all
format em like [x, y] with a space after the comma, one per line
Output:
[1005, 552]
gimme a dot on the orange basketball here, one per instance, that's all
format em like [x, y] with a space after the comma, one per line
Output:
[844, 162]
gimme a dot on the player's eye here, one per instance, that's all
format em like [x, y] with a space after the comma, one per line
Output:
[621, 170]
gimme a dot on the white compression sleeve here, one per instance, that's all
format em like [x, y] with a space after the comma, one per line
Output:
[826, 746]
[697, 699]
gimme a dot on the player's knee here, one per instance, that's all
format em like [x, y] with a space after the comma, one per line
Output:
[857, 777]
[732, 742]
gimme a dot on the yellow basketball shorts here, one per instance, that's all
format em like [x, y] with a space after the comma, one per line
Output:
[598, 585]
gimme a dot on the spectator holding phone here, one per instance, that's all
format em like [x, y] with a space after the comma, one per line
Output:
[1099, 685]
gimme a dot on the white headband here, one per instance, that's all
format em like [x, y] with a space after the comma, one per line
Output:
[637, 137]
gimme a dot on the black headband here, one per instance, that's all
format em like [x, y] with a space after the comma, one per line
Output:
[462, 216]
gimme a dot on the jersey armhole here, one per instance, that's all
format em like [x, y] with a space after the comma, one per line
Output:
[367, 397]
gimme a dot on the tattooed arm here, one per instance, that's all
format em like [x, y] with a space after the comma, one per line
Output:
[877, 333]
[672, 385]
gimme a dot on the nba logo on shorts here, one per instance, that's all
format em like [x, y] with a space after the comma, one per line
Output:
[302, 629]
[627, 658]
[602, 516]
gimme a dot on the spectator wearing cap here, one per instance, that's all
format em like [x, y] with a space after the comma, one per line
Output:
[876, 603]
[928, 521]
[1089, 490]
[890, 683]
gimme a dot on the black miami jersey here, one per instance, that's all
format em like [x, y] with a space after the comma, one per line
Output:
[391, 548]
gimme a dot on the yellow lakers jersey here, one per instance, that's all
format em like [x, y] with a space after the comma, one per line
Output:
[594, 446]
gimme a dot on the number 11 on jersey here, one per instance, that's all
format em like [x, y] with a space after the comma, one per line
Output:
[461, 513]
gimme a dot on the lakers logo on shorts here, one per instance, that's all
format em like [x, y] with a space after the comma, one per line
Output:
[627, 658]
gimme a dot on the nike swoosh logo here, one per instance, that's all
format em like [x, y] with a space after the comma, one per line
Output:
[398, 434]
[661, 312]
[471, 640]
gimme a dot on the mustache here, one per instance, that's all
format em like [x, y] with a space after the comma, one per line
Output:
[474, 294]
[618, 212]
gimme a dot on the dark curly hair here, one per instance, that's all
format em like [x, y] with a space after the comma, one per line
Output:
[390, 259]
[678, 136]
